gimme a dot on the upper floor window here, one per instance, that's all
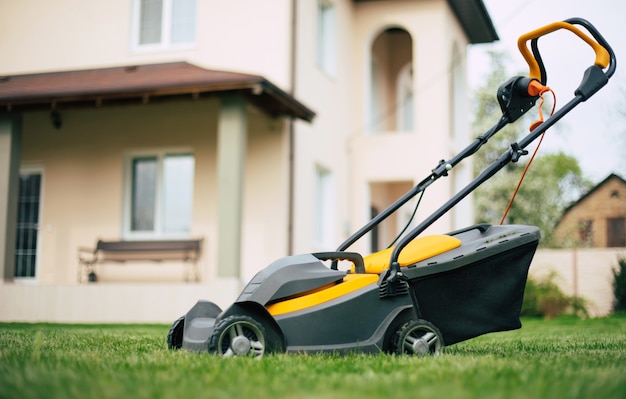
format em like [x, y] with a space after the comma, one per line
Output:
[324, 208]
[164, 24]
[327, 37]
[159, 195]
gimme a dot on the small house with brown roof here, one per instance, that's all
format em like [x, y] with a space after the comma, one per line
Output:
[598, 218]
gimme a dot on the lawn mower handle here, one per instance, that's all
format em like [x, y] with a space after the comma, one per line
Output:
[604, 54]
[515, 100]
[593, 80]
[520, 93]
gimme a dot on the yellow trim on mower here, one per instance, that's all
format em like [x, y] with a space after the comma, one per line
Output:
[417, 250]
[351, 282]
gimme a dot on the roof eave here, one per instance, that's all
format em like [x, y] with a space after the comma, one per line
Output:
[473, 17]
[257, 90]
[475, 20]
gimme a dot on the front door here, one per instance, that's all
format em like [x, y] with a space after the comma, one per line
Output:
[27, 237]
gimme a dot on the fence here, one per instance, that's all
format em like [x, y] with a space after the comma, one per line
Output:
[585, 273]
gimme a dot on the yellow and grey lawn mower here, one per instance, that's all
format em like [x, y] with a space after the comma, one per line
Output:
[415, 296]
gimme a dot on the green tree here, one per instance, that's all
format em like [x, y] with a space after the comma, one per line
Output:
[551, 183]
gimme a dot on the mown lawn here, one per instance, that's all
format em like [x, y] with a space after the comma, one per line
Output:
[563, 358]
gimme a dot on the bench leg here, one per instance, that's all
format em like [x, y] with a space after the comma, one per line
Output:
[86, 272]
[192, 275]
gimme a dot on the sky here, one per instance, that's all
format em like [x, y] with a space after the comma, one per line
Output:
[595, 131]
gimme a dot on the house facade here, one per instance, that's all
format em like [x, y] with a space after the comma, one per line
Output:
[259, 131]
[598, 218]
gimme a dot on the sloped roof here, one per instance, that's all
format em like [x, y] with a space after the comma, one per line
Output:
[592, 191]
[141, 83]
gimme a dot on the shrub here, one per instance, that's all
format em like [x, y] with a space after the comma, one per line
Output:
[619, 286]
[544, 298]
[530, 305]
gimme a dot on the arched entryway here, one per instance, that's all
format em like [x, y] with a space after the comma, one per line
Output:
[391, 83]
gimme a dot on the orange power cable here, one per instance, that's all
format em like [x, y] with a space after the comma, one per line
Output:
[533, 126]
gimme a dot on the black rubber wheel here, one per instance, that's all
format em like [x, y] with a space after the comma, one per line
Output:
[418, 338]
[175, 335]
[238, 336]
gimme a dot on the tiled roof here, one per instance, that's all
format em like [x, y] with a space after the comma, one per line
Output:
[141, 83]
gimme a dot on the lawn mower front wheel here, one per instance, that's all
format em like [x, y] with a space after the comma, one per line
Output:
[175, 335]
[238, 335]
[419, 338]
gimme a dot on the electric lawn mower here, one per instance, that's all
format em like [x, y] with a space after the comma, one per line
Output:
[414, 297]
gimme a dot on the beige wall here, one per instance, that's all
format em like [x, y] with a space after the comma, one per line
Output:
[83, 183]
[66, 34]
[266, 195]
[77, 34]
[322, 144]
[107, 303]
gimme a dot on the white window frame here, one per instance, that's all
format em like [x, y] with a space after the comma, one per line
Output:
[327, 37]
[166, 29]
[157, 232]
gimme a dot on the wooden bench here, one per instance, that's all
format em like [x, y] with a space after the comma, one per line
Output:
[187, 251]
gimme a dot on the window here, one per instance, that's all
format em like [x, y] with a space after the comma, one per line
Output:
[326, 37]
[324, 209]
[28, 200]
[159, 195]
[616, 232]
[585, 232]
[164, 24]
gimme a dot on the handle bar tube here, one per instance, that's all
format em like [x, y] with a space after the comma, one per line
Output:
[441, 170]
[500, 163]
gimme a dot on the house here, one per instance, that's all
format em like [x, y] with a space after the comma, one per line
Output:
[256, 131]
[592, 232]
[598, 218]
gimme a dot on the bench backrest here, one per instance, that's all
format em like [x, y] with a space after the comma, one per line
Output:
[148, 250]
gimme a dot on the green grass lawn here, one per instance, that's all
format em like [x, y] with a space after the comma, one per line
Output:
[563, 358]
